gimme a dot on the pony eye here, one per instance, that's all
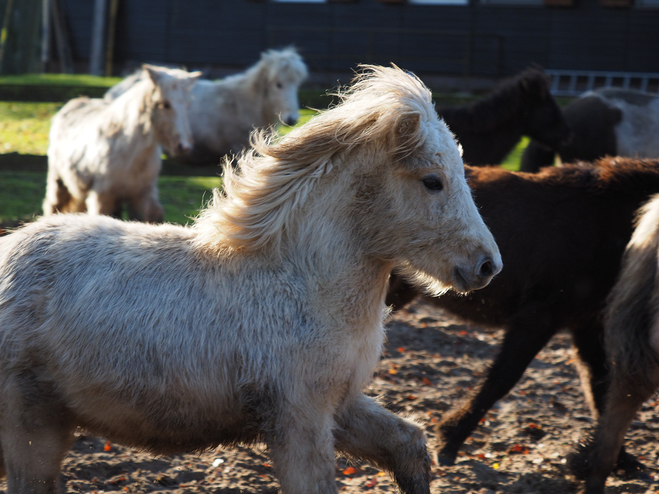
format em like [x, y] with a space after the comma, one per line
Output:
[165, 104]
[279, 85]
[433, 183]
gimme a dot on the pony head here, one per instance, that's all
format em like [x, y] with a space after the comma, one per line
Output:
[281, 74]
[378, 174]
[168, 103]
[544, 120]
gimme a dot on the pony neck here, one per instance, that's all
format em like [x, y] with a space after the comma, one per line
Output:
[131, 111]
[251, 85]
[326, 239]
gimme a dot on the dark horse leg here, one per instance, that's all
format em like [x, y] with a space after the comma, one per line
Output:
[587, 337]
[400, 292]
[596, 459]
[525, 336]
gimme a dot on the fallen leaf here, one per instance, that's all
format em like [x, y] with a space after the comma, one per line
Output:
[349, 471]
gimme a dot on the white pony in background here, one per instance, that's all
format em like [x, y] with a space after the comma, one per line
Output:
[224, 113]
[263, 321]
[104, 154]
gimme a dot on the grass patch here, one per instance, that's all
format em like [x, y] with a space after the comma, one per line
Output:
[183, 197]
[59, 80]
[24, 126]
[513, 161]
[21, 195]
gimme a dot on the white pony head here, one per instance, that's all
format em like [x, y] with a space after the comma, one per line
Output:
[280, 74]
[168, 104]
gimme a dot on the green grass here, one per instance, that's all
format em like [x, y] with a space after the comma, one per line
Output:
[514, 158]
[183, 197]
[21, 195]
[59, 80]
[24, 126]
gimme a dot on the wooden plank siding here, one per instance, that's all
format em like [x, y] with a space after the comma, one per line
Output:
[478, 39]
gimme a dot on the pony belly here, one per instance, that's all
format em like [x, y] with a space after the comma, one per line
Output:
[171, 426]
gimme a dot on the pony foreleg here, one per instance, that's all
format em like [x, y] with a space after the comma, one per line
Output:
[34, 439]
[2, 463]
[592, 365]
[302, 450]
[145, 206]
[524, 338]
[596, 459]
[101, 203]
[368, 431]
[57, 197]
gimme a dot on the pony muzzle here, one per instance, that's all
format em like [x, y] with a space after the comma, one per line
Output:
[473, 277]
[183, 148]
[290, 120]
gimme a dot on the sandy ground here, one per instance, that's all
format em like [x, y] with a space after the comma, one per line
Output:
[432, 361]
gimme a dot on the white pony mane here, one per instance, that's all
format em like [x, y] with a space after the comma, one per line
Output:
[275, 178]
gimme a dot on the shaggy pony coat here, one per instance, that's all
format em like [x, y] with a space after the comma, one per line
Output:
[263, 321]
[104, 155]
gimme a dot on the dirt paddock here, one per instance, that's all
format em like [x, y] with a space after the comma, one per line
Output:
[432, 361]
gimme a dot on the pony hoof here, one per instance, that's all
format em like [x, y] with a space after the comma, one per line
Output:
[628, 467]
[445, 459]
[419, 484]
[578, 465]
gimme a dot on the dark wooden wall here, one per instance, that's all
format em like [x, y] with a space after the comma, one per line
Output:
[478, 39]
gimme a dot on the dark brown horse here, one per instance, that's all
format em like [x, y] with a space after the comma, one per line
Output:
[561, 234]
[632, 346]
[489, 128]
[606, 121]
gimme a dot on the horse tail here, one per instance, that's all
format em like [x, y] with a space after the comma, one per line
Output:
[632, 306]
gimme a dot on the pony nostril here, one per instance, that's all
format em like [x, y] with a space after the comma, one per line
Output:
[290, 121]
[486, 269]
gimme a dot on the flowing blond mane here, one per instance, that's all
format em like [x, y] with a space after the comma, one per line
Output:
[275, 178]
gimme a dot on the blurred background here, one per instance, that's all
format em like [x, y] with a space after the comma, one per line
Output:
[453, 44]
[54, 50]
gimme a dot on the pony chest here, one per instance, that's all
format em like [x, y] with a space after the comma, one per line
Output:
[359, 351]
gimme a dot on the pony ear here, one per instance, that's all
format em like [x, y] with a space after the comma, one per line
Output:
[407, 133]
[192, 78]
[154, 72]
[535, 84]
[408, 126]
